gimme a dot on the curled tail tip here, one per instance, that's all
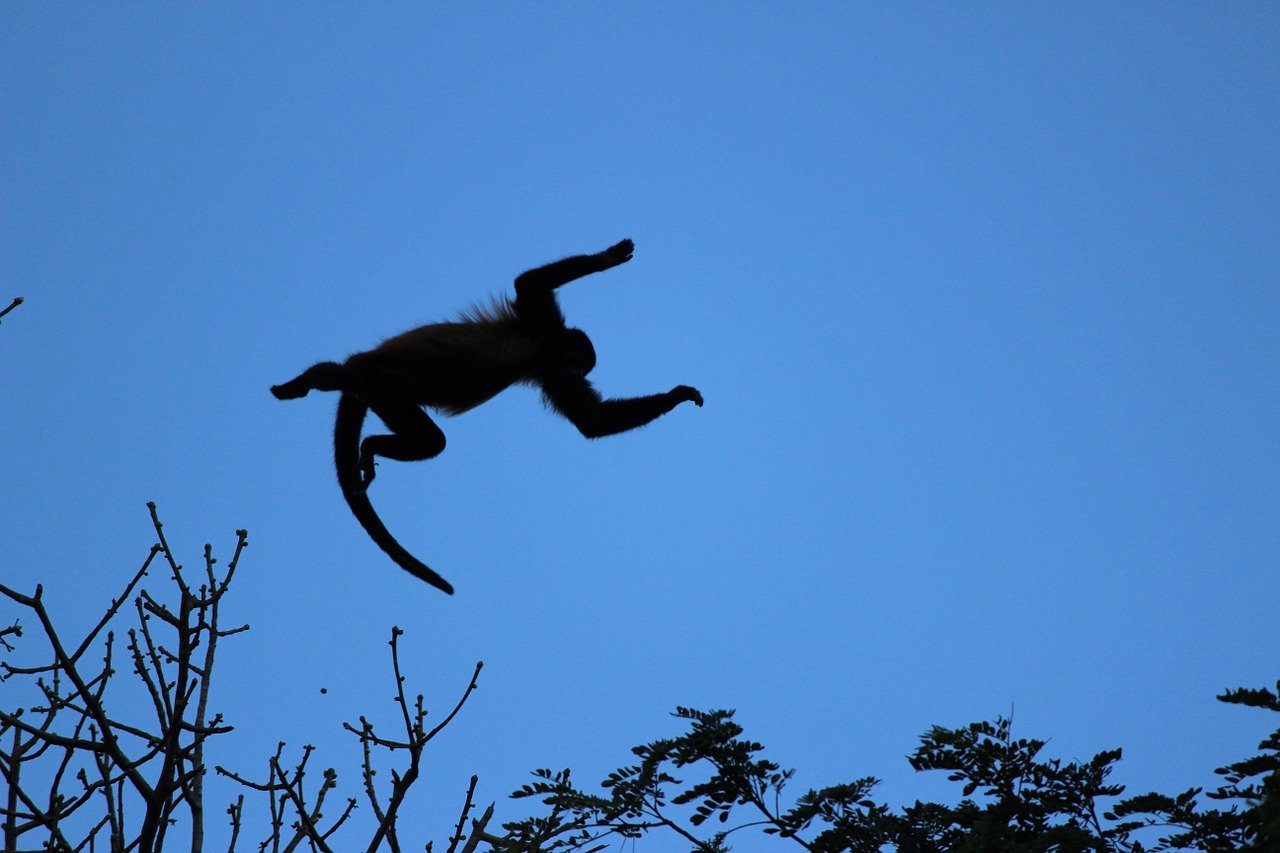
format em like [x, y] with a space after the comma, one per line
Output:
[358, 500]
[423, 572]
[414, 566]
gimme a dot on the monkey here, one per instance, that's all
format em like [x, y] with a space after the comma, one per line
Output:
[453, 367]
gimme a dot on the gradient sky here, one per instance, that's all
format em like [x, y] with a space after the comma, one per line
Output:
[982, 298]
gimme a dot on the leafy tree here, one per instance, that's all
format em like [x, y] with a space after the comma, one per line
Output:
[1014, 799]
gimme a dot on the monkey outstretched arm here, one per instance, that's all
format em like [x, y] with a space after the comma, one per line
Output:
[561, 272]
[535, 289]
[581, 404]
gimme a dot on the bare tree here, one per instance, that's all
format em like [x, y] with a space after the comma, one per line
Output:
[79, 776]
[111, 760]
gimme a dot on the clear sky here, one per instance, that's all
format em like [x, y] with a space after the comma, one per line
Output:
[983, 300]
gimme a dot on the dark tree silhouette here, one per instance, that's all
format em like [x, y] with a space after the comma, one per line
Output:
[78, 776]
[1014, 799]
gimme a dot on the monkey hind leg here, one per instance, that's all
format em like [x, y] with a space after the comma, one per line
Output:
[414, 437]
[325, 376]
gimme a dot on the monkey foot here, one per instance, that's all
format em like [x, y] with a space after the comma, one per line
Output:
[289, 391]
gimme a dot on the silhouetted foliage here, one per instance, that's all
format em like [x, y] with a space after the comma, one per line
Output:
[1013, 799]
[1252, 818]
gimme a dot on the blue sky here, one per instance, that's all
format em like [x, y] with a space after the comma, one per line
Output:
[982, 298]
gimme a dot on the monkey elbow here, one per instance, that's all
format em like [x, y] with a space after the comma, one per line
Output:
[591, 430]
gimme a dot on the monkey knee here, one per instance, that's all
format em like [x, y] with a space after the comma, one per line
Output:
[402, 448]
[427, 446]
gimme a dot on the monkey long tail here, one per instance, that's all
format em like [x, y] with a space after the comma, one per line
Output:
[346, 457]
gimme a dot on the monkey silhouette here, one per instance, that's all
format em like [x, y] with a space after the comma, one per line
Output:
[455, 366]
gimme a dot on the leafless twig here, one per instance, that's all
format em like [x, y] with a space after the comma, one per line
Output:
[17, 300]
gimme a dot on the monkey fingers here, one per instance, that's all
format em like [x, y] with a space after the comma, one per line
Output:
[619, 253]
[688, 393]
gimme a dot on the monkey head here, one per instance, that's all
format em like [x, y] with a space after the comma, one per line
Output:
[577, 353]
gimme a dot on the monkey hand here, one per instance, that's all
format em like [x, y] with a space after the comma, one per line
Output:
[619, 253]
[356, 481]
[368, 470]
[686, 394]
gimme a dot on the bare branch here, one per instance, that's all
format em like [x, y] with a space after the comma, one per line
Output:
[475, 681]
[117, 603]
[164, 776]
[478, 833]
[93, 705]
[15, 629]
[235, 810]
[462, 818]
[17, 300]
